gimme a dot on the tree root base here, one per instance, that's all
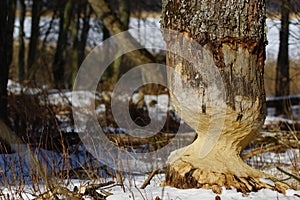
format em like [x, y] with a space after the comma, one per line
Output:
[185, 177]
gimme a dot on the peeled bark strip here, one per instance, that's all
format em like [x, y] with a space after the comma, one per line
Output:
[233, 33]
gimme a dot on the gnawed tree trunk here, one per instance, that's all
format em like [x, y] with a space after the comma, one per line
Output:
[234, 36]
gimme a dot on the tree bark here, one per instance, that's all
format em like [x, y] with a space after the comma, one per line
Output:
[4, 66]
[21, 40]
[58, 65]
[124, 16]
[79, 34]
[35, 33]
[7, 19]
[282, 68]
[84, 33]
[233, 34]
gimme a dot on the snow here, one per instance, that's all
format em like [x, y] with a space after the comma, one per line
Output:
[168, 193]
[196, 194]
[272, 120]
[155, 190]
[16, 88]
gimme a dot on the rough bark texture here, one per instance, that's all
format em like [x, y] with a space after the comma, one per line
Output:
[233, 32]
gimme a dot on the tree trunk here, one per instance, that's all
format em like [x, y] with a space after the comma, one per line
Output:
[21, 40]
[123, 15]
[58, 65]
[233, 34]
[7, 19]
[35, 33]
[84, 33]
[282, 69]
[75, 30]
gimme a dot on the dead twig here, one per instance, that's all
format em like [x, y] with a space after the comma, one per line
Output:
[147, 181]
[259, 151]
[289, 174]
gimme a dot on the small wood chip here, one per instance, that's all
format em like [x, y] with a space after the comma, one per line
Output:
[217, 197]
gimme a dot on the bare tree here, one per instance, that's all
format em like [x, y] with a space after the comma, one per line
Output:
[282, 68]
[59, 62]
[34, 33]
[234, 34]
[22, 12]
[124, 16]
[7, 19]
[79, 34]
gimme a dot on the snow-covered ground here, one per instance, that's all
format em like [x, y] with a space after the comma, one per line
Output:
[170, 193]
[154, 190]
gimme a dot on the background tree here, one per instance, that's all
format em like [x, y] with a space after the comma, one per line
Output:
[123, 13]
[59, 60]
[36, 12]
[282, 68]
[80, 35]
[234, 35]
[22, 11]
[7, 19]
